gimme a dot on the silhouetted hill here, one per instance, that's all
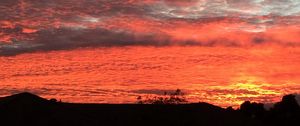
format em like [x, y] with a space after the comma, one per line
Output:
[32, 110]
[23, 98]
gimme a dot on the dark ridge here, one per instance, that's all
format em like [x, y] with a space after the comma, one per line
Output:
[32, 110]
[23, 101]
[25, 96]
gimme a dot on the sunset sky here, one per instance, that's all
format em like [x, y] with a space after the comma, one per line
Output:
[111, 51]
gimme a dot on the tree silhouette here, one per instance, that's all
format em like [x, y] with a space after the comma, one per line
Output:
[176, 97]
[288, 104]
[254, 110]
[288, 107]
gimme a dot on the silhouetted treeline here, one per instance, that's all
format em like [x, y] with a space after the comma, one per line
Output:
[28, 109]
[283, 113]
[176, 97]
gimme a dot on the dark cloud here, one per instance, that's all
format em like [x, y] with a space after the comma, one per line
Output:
[71, 38]
[231, 91]
[64, 38]
[152, 91]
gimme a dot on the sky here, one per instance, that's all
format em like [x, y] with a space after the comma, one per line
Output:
[255, 41]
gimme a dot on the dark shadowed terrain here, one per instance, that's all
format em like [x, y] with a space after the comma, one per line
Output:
[29, 109]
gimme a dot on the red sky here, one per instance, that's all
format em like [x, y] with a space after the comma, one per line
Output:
[27, 25]
[253, 41]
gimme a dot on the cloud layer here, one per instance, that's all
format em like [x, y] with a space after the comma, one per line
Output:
[31, 25]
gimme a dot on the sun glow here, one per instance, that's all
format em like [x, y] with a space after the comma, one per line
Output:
[255, 84]
[242, 89]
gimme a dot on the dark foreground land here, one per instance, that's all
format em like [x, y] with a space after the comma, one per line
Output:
[28, 109]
